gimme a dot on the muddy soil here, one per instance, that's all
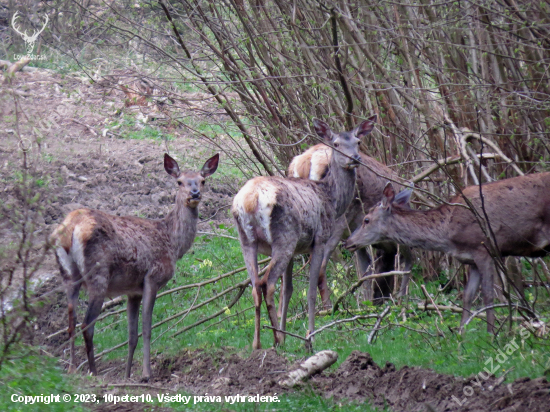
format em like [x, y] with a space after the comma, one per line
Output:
[357, 379]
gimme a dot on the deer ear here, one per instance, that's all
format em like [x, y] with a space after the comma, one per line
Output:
[322, 129]
[403, 198]
[389, 195]
[171, 166]
[210, 166]
[365, 127]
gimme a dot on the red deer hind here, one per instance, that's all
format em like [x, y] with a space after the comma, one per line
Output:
[284, 217]
[312, 164]
[518, 211]
[114, 255]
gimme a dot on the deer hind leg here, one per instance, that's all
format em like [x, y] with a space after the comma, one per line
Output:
[470, 291]
[322, 285]
[250, 255]
[73, 281]
[133, 318]
[314, 269]
[72, 297]
[286, 293]
[94, 309]
[279, 265]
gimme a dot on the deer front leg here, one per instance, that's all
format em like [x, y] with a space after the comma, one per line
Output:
[257, 296]
[470, 291]
[133, 317]
[314, 268]
[149, 295]
[279, 264]
[488, 273]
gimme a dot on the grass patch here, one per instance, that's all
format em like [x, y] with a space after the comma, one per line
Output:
[212, 256]
[31, 374]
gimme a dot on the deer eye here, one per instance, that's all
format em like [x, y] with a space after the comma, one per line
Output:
[179, 183]
[367, 220]
[336, 144]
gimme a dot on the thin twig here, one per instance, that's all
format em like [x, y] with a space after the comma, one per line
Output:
[498, 305]
[377, 324]
[182, 318]
[336, 322]
[356, 285]
[423, 287]
[285, 332]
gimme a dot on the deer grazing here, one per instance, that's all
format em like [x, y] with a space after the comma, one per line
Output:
[518, 213]
[284, 217]
[312, 164]
[114, 255]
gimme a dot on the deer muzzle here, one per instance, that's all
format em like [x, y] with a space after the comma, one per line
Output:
[351, 246]
[354, 162]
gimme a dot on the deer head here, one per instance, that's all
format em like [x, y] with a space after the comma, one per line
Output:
[190, 182]
[375, 224]
[30, 40]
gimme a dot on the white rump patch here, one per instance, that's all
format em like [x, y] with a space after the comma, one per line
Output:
[77, 250]
[319, 163]
[65, 260]
[261, 216]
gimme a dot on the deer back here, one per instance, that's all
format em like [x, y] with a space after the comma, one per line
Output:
[371, 179]
[518, 211]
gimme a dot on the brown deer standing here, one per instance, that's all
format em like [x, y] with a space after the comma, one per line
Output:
[114, 255]
[313, 164]
[284, 217]
[518, 211]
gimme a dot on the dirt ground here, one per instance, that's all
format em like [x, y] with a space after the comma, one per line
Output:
[126, 177]
[357, 379]
[63, 121]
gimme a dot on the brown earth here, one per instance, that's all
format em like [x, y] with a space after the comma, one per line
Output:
[357, 379]
[64, 121]
[126, 177]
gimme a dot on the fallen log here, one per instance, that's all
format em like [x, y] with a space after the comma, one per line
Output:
[314, 364]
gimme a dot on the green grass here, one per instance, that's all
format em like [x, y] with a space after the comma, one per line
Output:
[129, 127]
[212, 256]
[31, 374]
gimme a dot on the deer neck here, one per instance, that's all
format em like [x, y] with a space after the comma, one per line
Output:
[181, 224]
[422, 229]
[339, 185]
